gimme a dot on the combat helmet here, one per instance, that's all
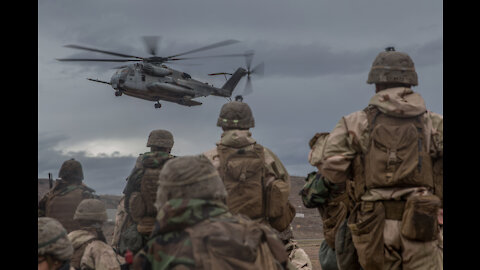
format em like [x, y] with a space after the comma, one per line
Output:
[71, 170]
[53, 240]
[391, 66]
[189, 177]
[91, 210]
[160, 138]
[236, 114]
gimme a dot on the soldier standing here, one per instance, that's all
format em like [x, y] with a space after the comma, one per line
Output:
[257, 183]
[90, 249]
[391, 148]
[195, 230]
[62, 200]
[136, 212]
[54, 248]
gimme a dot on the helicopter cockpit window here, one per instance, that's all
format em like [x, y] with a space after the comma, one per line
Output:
[186, 76]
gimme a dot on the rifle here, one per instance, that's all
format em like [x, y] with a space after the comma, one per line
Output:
[50, 180]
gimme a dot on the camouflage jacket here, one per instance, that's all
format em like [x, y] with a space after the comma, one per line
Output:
[171, 245]
[350, 137]
[96, 254]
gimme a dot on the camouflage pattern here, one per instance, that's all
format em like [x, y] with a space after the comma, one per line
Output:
[191, 177]
[297, 256]
[393, 67]
[62, 200]
[350, 138]
[160, 138]
[236, 115]
[71, 170]
[171, 246]
[96, 254]
[91, 209]
[53, 240]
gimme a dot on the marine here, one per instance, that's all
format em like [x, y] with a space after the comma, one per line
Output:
[90, 248]
[136, 212]
[393, 150]
[194, 228]
[257, 183]
[54, 248]
[62, 200]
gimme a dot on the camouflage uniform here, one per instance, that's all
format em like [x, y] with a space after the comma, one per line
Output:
[62, 200]
[350, 139]
[194, 229]
[90, 249]
[136, 224]
[54, 247]
[236, 119]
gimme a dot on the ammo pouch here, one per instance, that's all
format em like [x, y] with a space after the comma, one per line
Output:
[279, 211]
[419, 220]
[333, 214]
[130, 239]
[366, 224]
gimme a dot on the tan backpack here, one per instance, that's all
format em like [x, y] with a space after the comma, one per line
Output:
[397, 154]
[243, 172]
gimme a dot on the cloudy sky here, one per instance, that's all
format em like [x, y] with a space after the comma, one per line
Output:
[317, 55]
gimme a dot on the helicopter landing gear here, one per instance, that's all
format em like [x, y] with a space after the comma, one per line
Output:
[118, 93]
[158, 105]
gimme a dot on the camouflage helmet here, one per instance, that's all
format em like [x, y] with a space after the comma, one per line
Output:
[192, 177]
[236, 114]
[393, 67]
[160, 138]
[91, 209]
[71, 170]
[53, 240]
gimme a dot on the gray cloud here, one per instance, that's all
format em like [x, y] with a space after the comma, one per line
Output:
[317, 56]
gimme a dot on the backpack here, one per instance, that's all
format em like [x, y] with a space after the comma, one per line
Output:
[243, 172]
[397, 154]
[236, 243]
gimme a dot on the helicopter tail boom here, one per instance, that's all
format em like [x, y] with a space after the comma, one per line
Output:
[233, 81]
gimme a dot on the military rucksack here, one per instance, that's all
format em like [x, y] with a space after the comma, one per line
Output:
[243, 172]
[144, 181]
[397, 154]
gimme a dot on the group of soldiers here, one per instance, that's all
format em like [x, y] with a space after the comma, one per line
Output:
[378, 188]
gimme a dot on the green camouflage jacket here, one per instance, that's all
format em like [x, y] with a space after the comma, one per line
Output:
[171, 246]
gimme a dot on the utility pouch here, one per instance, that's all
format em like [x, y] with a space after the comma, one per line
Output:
[419, 220]
[333, 216]
[130, 239]
[366, 223]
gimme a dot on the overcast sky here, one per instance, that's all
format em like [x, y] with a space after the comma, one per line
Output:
[317, 56]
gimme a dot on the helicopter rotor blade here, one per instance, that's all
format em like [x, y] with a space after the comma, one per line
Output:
[248, 58]
[97, 60]
[119, 67]
[101, 51]
[151, 44]
[248, 86]
[219, 73]
[214, 45]
[211, 56]
[259, 69]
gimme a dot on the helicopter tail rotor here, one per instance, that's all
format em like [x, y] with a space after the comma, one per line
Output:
[258, 70]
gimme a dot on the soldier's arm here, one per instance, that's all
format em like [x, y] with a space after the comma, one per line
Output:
[275, 168]
[42, 206]
[346, 140]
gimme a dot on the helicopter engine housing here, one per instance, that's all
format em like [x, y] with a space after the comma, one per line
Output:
[156, 71]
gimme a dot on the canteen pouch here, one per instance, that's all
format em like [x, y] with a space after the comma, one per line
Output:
[420, 218]
[366, 223]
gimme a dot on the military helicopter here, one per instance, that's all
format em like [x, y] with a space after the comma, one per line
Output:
[152, 80]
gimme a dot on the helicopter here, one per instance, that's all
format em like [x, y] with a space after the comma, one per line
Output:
[150, 79]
